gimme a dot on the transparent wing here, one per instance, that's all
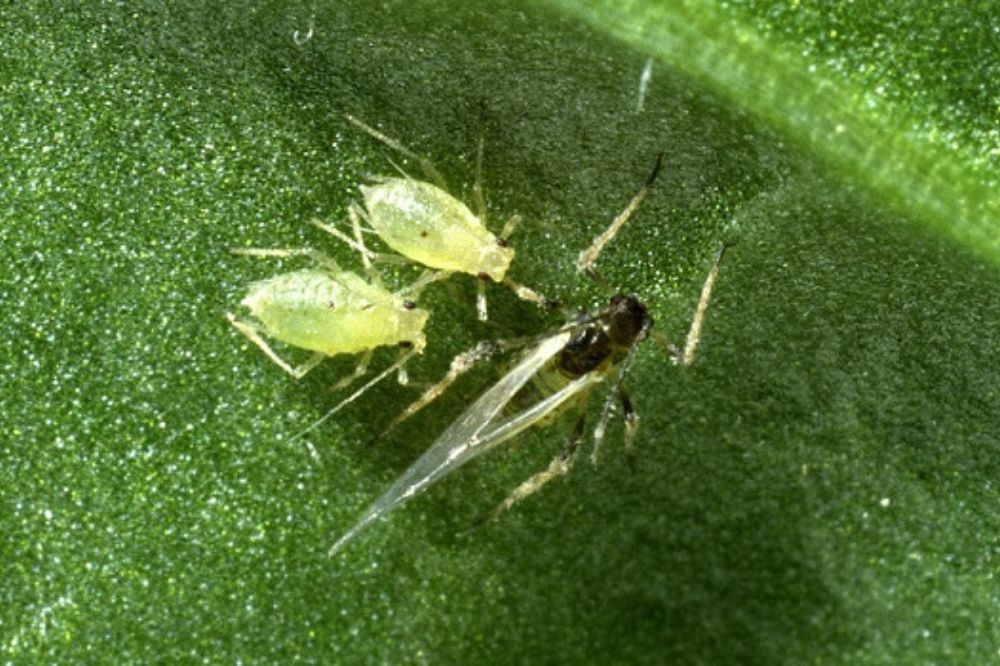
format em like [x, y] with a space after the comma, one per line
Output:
[464, 439]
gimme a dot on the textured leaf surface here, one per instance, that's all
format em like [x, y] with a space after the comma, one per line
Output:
[819, 487]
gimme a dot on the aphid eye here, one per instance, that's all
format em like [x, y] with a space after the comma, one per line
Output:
[423, 233]
[408, 304]
[406, 344]
[331, 305]
[502, 242]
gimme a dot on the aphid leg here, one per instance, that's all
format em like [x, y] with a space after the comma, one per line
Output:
[401, 375]
[559, 466]
[461, 364]
[590, 255]
[631, 419]
[425, 164]
[250, 331]
[414, 289]
[528, 294]
[694, 333]
[359, 371]
[403, 360]
[523, 291]
[315, 255]
[481, 311]
[602, 426]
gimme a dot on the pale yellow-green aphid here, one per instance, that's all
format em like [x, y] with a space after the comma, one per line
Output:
[334, 313]
[329, 311]
[427, 225]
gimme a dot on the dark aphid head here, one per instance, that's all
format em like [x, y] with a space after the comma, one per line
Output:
[628, 320]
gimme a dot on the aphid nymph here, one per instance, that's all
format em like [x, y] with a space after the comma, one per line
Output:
[559, 371]
[426, 224]
[329, 310]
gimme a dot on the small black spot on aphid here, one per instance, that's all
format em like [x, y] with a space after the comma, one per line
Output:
[406, 344]
[423, 233]
[330, 304]
[502, 242]
[483, 276]
[408, 304]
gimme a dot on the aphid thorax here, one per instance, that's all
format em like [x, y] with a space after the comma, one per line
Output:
[607, 340]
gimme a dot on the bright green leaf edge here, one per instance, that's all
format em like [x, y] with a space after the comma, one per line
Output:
[899, 158]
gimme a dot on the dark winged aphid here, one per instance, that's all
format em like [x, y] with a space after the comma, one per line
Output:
[558, 370]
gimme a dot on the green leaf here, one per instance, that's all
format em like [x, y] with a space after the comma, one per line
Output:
[820, 486]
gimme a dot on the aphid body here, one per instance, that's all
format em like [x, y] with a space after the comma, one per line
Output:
[561, 370]
[426, 224]
[334, 313]
[558, 371]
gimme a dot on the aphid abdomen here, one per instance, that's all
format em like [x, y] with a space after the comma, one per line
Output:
[333, 314]
[426, 224]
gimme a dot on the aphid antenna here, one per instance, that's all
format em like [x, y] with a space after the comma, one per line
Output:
[478, 196]
[359, 247]
[425, 164]
[398, 365]
[282, 253]
[590, 255]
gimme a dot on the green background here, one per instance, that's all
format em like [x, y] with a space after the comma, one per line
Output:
[820, 486]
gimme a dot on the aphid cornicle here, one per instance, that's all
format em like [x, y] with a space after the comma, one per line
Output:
[429, 226]
[560, 371]
[329, 311]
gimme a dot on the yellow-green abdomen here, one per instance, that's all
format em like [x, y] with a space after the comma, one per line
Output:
[426, 224]
[334, 313]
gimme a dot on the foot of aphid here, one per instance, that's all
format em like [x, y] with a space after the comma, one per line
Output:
[526, 293]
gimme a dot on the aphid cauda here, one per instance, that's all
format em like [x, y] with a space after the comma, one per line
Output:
[558, 372]
[427, 225]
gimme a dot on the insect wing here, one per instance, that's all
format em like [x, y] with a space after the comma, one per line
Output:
[463, 439]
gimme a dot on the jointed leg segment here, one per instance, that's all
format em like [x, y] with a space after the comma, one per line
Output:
[559, 466]
[250, 331]
[461, 364]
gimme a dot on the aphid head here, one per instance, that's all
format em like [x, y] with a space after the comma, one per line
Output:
[628, 320]
[494, 259]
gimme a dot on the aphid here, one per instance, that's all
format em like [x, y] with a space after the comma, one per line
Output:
[558, 372]
[427, 225]
[329, 310]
